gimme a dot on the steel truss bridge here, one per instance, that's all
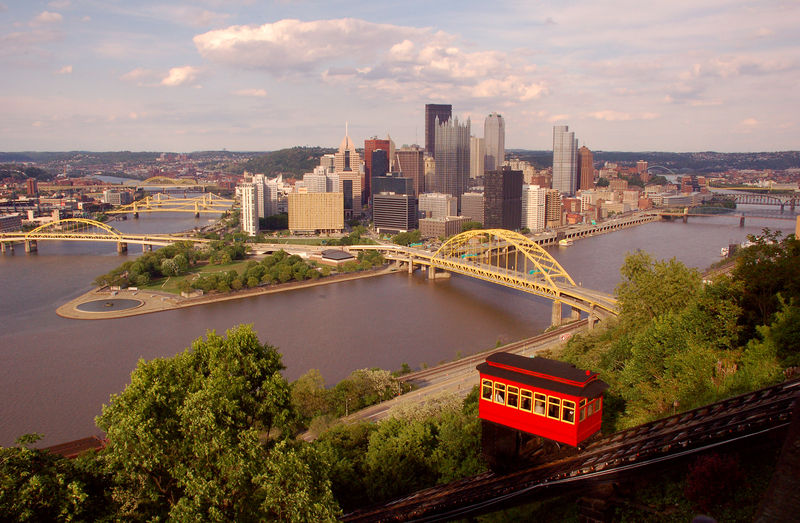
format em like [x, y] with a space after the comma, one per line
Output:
[84, 230]
[208, 202]
[510, 259]
[762, 198]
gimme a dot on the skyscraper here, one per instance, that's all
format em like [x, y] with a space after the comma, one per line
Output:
[249, 209]
[585, 168]
[533, 207]
[410, 163]
[565, 159]
[477, 156]
[503, 199]
[452, 157]
[347, 164]
[371, 145]
[494, 136]
[433, 112]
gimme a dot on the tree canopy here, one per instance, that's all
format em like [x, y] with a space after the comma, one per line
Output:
[197, 436]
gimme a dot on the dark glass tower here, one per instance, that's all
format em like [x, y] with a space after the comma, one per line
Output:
[433, 111]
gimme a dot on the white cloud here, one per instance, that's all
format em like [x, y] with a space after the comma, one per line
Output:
[67, 69]
[59, 4]
[402, 60]
[46, 17]
[259, 93]
[180, 75]
[749, 122]
[616, 116]
[139, 75]
[188, 15]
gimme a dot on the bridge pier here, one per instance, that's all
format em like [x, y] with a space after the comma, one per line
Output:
[136, 215]
[147, 247]
[574, 314]
[31, 246]
[410, 264]
[741, 221]
[122, 247]
[432, 274]
[555, 318]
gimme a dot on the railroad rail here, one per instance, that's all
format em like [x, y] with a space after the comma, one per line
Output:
[421, 375]
[674, 437]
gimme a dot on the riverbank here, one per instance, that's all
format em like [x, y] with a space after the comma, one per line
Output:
[157, 301]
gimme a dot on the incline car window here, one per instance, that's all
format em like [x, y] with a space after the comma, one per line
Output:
[487, 390]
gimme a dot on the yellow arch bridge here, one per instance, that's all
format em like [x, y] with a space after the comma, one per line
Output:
[84, 230]
[208, 202]
[510, 259]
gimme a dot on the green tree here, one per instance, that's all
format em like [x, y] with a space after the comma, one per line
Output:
[36, 485]
[468, 226]
[189, 437]
[309, 396]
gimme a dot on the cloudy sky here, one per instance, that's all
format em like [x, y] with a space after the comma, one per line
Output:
[676, 75]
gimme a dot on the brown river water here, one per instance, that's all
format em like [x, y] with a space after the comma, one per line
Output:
[56, 373]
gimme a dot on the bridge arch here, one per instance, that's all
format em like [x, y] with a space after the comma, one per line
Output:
[473, 243]
[56, 226]
[662, 167]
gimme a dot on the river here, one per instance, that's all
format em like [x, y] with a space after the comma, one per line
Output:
[56, 373]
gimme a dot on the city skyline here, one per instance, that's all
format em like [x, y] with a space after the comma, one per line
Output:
[246, 75]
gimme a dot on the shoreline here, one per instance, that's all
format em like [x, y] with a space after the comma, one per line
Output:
[158, 301]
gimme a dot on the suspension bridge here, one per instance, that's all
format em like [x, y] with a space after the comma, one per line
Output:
[85, 230]
[510, 259]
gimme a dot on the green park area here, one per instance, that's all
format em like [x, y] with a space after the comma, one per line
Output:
[222, 268]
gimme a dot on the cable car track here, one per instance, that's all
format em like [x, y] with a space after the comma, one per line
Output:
[689, 432]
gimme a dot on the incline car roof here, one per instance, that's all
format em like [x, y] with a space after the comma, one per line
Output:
[536, 372]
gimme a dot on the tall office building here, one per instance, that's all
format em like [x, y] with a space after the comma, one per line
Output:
[477, 156]
[371, 145]
[494, 136]
[434, 112]
[409, 161]
[249, 208]
[534, 203]
[347, 165]
[452, 157]
[502, 199]
[394, 212]
[565, 160]
[472, 206]
[438, 205]
[585, 169]
[552, 208]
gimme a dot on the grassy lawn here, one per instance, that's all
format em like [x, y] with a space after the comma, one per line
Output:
[172, 283]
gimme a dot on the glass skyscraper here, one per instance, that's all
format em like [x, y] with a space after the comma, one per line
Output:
[565, 159]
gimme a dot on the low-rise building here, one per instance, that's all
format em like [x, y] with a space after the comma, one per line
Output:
[441, 227]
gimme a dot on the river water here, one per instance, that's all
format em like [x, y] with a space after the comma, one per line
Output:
[56, 373]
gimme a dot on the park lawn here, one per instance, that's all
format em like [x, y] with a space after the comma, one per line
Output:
[172, 284]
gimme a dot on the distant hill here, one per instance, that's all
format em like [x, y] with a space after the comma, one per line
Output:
[292, 163]
[696, 162]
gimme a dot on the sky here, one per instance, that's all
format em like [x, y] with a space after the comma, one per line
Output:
[250, 75]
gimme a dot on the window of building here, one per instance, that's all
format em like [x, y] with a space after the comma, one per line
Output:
[568, 411]
[553, 407]
[500, 393]
[539, 403]
[487, 390]
[513, 397]
[525, 400]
